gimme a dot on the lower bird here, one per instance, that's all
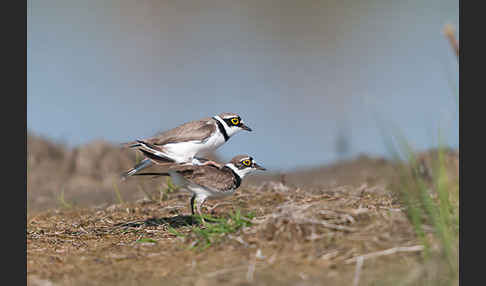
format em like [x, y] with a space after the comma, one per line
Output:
[208, 181]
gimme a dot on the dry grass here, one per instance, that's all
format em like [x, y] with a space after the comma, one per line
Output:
[310, 231]
[449, 32]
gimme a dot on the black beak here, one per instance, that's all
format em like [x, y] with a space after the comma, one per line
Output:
[258, 167]
[244, 127]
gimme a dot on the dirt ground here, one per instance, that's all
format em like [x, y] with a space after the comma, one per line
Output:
[335, 225]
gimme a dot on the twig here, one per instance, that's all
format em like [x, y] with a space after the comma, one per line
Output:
[314, 236]
[251, 270]
[210, 209]
[222, 271]
[359, 265]
[330, 225]
[393, 250]
[340, 215]
[329, 255]
[239, 239]
[227, 270]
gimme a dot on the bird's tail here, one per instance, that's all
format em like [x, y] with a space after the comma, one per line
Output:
[131, 144]
[153, 174]
[157, 159]
[140, 166]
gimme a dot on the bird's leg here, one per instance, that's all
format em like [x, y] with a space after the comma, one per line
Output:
[193, 221]
[192, 203]
[199, 161]
[209, 162]
[199, 202]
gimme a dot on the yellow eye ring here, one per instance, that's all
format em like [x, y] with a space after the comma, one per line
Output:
[246, 162]
[235, 121]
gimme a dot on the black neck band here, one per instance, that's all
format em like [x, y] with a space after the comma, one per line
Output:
[222, 130]
[237, 178]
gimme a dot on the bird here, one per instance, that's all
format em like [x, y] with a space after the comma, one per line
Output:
[181, 144]
[208, 181]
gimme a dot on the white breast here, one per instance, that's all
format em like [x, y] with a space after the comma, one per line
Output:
[215, 141]
[185, 151]
[206, 192]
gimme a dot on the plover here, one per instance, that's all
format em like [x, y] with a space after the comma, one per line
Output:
[210, 182]
[181, 144]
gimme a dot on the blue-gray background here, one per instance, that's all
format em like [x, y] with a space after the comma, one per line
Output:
[305, 75]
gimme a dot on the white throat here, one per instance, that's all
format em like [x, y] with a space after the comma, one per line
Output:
[230, 130]
[241, 173]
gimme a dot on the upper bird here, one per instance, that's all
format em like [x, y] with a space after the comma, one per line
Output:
[181, 144]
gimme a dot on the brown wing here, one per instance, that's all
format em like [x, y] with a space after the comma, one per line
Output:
[189, 131]
[208, 176]
[183, 168]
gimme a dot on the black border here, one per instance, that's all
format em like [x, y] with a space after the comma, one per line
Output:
[20, 68]
[471, 75]
[14, 119]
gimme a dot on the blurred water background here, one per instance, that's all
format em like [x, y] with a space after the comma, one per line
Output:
[310, 77]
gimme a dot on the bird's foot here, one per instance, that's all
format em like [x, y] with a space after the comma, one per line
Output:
[198, 218]
[209, 163]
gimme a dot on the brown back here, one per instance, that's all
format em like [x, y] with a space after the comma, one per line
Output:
[208, 176]
[189, 131]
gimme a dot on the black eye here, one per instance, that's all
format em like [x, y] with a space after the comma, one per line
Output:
[246, 162]
[235, 121]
